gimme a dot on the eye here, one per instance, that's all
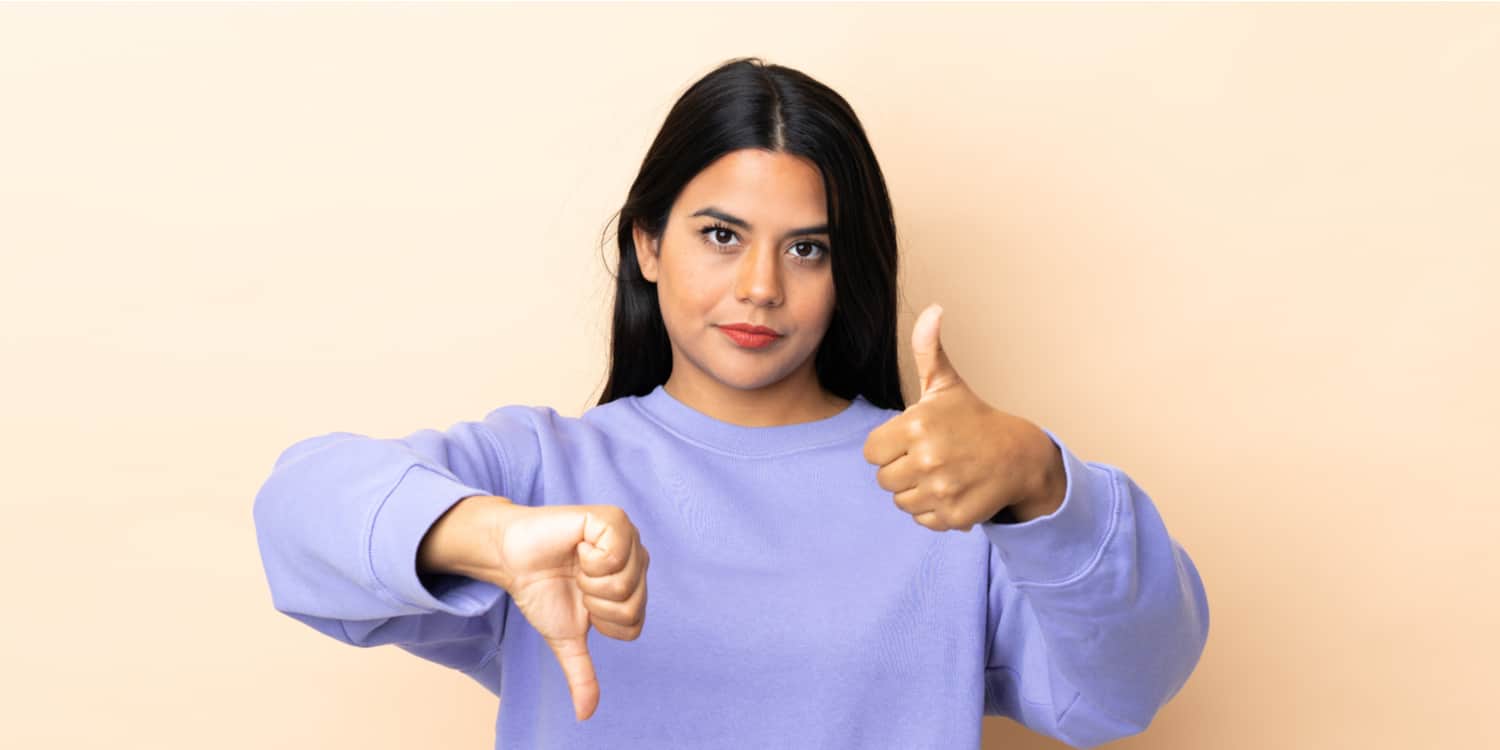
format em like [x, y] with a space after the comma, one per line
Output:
[712, 233]
[822, 251]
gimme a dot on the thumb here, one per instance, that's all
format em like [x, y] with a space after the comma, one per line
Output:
[934, 371]
[578, 668]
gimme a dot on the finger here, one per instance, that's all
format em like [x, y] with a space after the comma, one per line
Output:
[616, 586]
[887, 441]
[628, 614]
[899, 475]
[915, 501]
[604, 550]
[934, 371]
[619, 632]
[596, 562]
[573, 655]
[930, 520]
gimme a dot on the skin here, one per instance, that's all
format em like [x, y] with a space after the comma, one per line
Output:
[950, 460]
[939, 458]
[706, 277]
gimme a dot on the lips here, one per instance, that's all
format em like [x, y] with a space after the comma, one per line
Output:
[747, 336]
[747, 328]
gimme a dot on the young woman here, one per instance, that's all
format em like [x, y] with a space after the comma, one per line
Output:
[753, 436]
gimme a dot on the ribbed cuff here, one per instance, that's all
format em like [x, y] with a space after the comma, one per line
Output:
[1061, 546]
[402, 520]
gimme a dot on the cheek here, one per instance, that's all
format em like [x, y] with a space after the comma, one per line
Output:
[692, 293]
[700, 287]
[820, 299]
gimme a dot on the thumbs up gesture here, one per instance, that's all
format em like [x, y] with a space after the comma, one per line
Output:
[951, 460]
[569, 567]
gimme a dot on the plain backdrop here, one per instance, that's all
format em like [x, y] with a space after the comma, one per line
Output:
[1246, 253]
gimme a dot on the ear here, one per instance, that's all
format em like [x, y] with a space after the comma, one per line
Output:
[647, 248]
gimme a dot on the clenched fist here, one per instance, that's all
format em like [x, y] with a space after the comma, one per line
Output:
[567, 567]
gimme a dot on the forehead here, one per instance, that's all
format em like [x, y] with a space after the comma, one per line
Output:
[761, 186]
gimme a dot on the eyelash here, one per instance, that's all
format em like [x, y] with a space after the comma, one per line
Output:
[707, 233]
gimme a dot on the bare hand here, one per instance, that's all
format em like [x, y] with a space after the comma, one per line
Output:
[951, 460]
[568, 567]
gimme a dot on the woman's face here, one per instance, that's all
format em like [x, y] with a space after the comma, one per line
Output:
[746, 242]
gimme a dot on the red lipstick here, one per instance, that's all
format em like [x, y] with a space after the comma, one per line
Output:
[749, 336]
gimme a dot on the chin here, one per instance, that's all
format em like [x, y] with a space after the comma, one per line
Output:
[752, 378]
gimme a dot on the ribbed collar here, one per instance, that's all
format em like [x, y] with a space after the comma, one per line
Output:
[658, 405]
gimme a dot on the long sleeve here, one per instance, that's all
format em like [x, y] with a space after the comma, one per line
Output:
[1098, 615]
[339, 520]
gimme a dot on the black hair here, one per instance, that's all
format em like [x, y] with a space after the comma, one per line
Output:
[747, 103]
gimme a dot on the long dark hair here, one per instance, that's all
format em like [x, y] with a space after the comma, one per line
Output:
[746, 103]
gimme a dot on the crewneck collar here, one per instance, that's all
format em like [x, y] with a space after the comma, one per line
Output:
[695, 426]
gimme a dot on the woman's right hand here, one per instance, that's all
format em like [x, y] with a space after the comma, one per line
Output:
[568, 567]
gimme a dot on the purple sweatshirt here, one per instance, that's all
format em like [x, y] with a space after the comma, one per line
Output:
[792, 604]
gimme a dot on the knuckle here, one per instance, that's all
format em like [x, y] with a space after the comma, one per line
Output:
[618, 589]
[941, 487]
[612, 515]
[621, 518]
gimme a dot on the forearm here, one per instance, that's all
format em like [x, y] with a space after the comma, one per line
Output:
[465, 540]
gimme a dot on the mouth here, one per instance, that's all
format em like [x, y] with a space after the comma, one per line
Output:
[750, 337]
[751, 329]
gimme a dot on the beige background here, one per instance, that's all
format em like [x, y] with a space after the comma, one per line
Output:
[1246, 253]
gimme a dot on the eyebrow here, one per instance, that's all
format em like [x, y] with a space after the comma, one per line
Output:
[732, 219]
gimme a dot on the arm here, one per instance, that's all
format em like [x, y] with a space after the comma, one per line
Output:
[1098, 615]
[342, 518]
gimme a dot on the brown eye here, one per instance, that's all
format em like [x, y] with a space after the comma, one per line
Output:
[711, 235]
[821, 251]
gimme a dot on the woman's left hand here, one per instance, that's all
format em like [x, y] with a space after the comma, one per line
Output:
[953, 460]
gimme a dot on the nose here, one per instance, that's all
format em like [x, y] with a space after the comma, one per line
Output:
[758, 279]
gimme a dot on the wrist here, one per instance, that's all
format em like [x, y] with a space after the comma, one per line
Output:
[1045, 490]
[465, 540]
[1049, 483]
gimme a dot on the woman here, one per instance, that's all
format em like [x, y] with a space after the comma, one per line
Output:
[752, 434]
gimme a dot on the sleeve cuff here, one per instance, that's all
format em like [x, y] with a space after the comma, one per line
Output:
[400, 522]
[1057, 548]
